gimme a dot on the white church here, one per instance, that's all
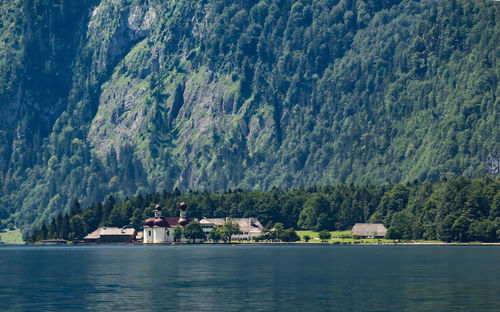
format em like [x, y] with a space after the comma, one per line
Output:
[158, 230]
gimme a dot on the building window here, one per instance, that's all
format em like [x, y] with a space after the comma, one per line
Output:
[149, 233]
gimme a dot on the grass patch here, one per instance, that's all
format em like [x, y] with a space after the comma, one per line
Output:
[335, 234]
[340, 237]
[11, 237]
[346, 237]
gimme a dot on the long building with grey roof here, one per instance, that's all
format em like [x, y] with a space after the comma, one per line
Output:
[369, 230]
[111, 235]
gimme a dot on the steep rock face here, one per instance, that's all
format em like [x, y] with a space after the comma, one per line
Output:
[117, 124]
[218, 94]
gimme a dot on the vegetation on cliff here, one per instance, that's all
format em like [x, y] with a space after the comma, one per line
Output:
[129, 97]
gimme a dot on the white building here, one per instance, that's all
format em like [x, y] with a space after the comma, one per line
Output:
[158, 230]
[249, 227]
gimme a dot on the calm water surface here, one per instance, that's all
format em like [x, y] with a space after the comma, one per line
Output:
[249, 278]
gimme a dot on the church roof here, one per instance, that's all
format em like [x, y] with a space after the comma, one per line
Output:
[173, 221]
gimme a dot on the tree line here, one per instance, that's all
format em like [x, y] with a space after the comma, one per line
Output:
[459, 209]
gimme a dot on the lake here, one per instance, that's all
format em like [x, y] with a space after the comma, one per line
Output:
[249, 278]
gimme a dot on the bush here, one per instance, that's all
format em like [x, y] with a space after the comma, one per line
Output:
[289, 236]
[324, 236]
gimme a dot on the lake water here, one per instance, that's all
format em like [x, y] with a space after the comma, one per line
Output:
[249, 278]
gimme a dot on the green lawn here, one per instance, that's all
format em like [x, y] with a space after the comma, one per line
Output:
[347, 238]
[340, 237]
[11, 237]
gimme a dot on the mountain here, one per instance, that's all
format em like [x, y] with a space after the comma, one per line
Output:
[126, 97]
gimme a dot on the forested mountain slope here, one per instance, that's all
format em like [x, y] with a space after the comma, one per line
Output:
[124, 97]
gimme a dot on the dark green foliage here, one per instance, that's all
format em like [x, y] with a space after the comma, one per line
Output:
[278, 233]
[229, 229]
[178, 232]
[314, 214]
[277, 230]
[324, 235]
[253, 95]
[193, 231]
[266, 235]
[216, 234]
[289, 235]
[437, 211]
[401, 226]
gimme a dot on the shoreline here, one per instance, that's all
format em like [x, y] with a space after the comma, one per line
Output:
[234, 244]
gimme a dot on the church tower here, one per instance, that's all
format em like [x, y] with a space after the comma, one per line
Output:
[182, 216]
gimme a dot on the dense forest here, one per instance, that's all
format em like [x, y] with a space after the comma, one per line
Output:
[455, 210]
[130, 97]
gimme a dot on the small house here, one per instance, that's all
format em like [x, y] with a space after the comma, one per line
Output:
[369, 230]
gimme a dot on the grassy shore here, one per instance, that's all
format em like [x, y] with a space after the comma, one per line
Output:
[346, 237]
[11, 236]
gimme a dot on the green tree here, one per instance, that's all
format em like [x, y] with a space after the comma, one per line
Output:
[324, 236]
[42, 234]
[278, 230]
[446, 232]
[193, 231]
[483, 231]
[75, 208]
[289, 235]
[497, 228]
[229, 229]
[461, 228]
[323, 223]
[401, 226]
[314, 206]
[78, 226]
[215, 235]
[65, 227]
[177, 233]
[266, 235]
[495, 206]
[306, 238]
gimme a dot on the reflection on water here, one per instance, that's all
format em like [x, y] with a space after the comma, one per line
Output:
[244, 278]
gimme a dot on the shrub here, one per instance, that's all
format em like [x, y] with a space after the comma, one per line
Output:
[324, 235]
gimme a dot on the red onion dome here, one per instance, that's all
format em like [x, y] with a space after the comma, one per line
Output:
[161, 222]
[149, 222]
[183, 206]
[157, 208]
[182, 222]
